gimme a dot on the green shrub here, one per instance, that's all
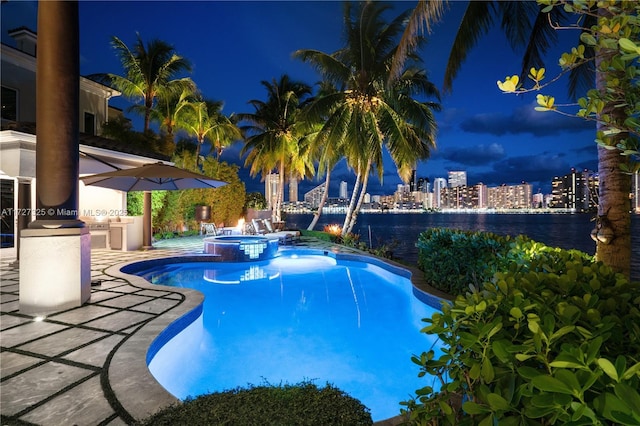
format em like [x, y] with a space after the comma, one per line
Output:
[554, 338]
[301, 404]
[452, 259]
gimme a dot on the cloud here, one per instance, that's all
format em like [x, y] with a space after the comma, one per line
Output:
[473, 155]
[524, 120]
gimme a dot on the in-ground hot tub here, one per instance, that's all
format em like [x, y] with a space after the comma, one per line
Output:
[241, 248]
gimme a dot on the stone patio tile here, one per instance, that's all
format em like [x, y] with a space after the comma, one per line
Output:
[11, 362]
[8, 297]
[95, 353]
[156, 306]
[33, 386]
[153, 293]
[119, 321]
[99, 266]
[125, 301]
[83, 314]
[8, 321]
[82, 405]
[62, 342]
[99, 296]
[9, 275]
[110, 284]
[11, 288]
[126, 289]
[28, 331]
[10, 306]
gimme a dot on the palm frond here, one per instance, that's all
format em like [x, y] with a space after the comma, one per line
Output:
[424, 15]
[475, 23]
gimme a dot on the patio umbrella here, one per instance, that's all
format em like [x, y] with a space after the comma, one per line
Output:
[151, 177]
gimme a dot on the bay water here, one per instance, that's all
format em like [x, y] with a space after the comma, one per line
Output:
[567, 231]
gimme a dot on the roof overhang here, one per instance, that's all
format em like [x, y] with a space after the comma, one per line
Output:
[18, 157]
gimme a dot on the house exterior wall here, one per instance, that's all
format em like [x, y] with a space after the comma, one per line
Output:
[19, 74]
[17, 148]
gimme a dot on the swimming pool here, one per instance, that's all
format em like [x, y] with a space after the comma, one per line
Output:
[297, 317]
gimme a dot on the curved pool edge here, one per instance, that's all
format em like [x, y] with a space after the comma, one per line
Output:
[140, 394]
[130, 380]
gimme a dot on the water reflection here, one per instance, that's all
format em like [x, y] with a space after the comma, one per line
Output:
[250, 273]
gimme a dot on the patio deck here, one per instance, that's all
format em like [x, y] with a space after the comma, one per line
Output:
[87, 365]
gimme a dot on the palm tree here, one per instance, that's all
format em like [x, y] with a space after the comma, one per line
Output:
[151, 72]
[168, 108]
[274, 133]
[205, 121]
[365, 115]
[525, 25]
[167, 113]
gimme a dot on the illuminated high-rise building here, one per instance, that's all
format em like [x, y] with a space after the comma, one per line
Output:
[572, 191]
[343, 190]
[457, 178]
[438, 185]
[413, 183]
[482, 194]
[313, 197]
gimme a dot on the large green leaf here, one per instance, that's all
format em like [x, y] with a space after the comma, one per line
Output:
[551, 384]
[497, 402]
[487, 371]
[608, 368]
[472, 408]
[629, 395]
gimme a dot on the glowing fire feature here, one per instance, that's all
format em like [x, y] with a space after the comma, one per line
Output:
[333, 229]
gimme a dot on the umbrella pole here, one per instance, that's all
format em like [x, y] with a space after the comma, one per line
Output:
[146, 222]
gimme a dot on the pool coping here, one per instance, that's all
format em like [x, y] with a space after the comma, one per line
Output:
[129, 365]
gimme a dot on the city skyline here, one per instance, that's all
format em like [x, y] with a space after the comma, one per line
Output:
[576, 190]
[497, 138]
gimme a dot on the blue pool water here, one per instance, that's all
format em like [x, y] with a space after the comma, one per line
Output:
[297, 317]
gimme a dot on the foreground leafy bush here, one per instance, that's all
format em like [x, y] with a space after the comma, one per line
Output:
[553, 339]
[451, 259]
[302, 404]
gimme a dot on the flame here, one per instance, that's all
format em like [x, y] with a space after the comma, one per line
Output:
[333, 229]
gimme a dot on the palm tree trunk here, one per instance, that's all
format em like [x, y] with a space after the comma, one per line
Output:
[352, 205]
[148, 105]
[363, 191]
[323, 200]
[614, 204]
[200, 141]
[614, 207]
[277, 209]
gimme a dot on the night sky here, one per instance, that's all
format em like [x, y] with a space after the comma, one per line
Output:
[234, 45]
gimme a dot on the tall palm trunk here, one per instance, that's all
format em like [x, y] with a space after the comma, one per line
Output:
[363, 192]
[323, 200]
[614, 205]
[148, 106]
[277, 208]
[198, 146]
[614, 211]
[352, 203]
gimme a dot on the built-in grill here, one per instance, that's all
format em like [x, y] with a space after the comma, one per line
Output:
[99, 233]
